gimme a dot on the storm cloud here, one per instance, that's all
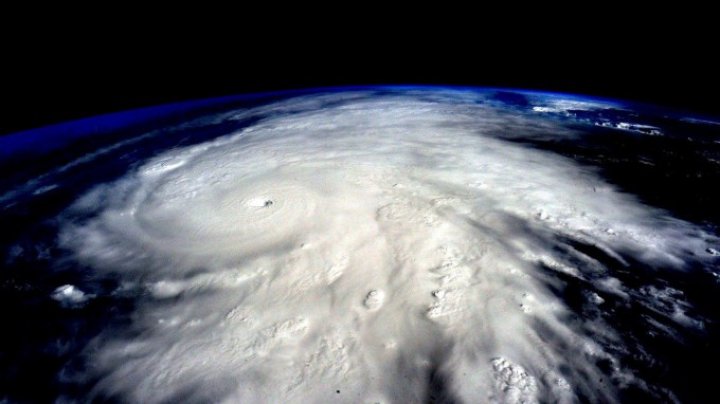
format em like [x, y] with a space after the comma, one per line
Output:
[355, 248]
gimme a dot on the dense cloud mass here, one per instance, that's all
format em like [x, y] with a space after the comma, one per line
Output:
[367, 249]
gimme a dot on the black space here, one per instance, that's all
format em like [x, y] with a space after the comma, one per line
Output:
[63, 69]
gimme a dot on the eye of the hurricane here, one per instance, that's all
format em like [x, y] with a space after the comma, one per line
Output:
[259, 202]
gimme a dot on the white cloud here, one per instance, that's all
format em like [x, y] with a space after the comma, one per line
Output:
[558, 105]
[70, 296]
[401, 241]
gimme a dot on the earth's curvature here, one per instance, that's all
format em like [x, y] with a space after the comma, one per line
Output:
[388, 245]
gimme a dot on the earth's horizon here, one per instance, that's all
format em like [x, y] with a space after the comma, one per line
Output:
[363, 244]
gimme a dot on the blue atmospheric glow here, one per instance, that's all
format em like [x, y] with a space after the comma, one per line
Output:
[44, 139]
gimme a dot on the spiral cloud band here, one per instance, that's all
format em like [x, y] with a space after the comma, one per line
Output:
[375, 249]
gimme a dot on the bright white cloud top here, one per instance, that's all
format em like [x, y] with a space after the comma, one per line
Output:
[382, 249]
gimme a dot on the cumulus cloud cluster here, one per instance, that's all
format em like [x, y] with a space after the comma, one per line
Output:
[361, 249]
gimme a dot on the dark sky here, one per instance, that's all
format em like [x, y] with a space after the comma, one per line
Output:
[71, 71]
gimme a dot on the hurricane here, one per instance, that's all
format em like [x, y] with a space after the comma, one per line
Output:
[401, 247]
